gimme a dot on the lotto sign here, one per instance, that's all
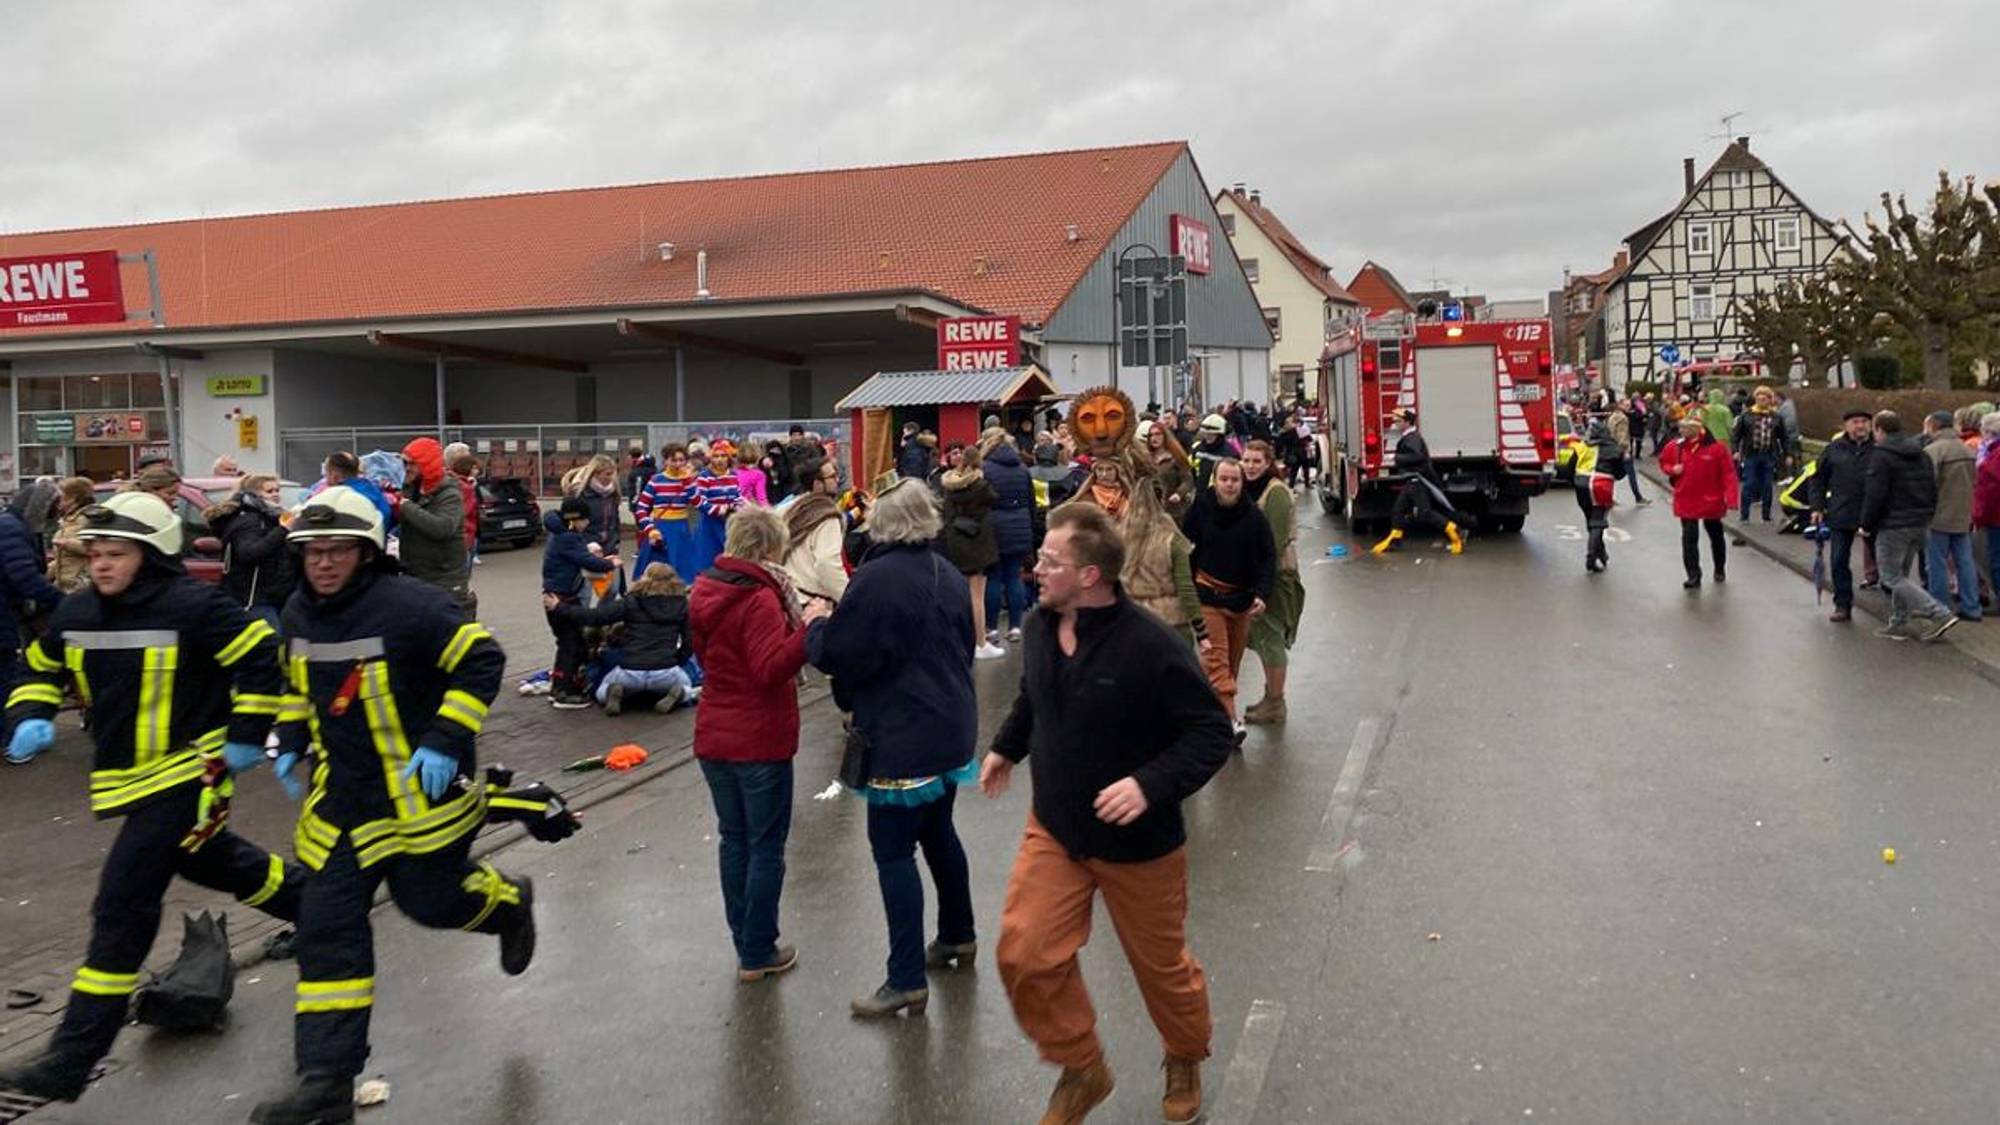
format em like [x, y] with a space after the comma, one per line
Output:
[1190, 240]
[968, 343]
[61, 289]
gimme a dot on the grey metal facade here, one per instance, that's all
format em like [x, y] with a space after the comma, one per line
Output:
[1222, 309]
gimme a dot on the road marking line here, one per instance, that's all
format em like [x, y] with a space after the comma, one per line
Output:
[1346, 791]
[1243, 1083]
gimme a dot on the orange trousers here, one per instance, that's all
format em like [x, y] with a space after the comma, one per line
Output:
[1047, 920]
[1230, 632]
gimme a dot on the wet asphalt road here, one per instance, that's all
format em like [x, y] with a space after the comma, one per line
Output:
[1535, 845]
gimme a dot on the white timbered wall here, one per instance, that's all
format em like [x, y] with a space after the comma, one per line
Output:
[1723, 244]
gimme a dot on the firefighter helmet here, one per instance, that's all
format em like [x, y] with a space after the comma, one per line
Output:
[139, 516]
[340, 513]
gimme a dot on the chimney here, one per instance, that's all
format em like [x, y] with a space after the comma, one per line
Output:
[701, 275]
[1687, 174]
[1256, 197]
[1743, 143]
[1621, 261]
[1237, 187]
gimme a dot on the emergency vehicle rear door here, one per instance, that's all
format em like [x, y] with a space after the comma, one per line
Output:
[1458, 401]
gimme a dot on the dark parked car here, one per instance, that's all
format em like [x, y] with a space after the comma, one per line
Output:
[508, 514]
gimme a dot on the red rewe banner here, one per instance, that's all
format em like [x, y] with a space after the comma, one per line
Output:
[967, 343]
[61, 289]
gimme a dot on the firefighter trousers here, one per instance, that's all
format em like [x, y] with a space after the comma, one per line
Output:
[442, 890]
[125, 919]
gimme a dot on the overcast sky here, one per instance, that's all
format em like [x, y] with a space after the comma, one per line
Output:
[1488, 144]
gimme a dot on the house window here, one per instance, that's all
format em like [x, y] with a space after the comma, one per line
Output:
[1228, 226]
[1701, 239]
[1273, 320]
[1736, 179]
[1785, 234]
[1701, 303]
[1250, 270]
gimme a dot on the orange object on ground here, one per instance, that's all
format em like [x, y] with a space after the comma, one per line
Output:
[624, 757]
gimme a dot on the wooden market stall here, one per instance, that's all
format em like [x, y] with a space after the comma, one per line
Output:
[956, 400]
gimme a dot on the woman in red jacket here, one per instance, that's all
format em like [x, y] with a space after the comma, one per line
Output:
[1703, 476]
[750, 637]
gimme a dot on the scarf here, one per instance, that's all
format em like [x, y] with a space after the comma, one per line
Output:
[1109, 497]
[806, 513]
[788, 597]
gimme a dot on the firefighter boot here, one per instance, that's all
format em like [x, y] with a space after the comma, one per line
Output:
[319, 1099]
[1456, 540]
[49, 1076]
[1387, 544]
[517, 941]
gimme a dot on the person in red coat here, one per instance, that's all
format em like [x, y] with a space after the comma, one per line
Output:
[751, 640]
[1703, 476]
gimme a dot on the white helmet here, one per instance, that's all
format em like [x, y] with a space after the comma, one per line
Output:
[339, 513]
[139, 516]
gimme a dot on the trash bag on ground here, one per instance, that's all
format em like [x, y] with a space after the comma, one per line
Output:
[193, 994]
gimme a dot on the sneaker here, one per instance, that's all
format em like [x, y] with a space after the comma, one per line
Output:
[568, 700]
[1013, 636]
[1077, 1092]
[1693, 583]
[1892, 633]
[1182, 1103]
[988, 652]
[1841, 616]
[886, 1001]
[517, 941]
[1943, 627]
[614, 699]
[992, 636]
[1870, 584]
[946, 955]
[1239, 730]
[673, 698]
[783, 959]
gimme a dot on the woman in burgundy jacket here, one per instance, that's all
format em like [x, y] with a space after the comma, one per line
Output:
[750, 637]
[1703, 476]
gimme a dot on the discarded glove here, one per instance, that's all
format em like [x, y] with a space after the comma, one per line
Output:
[287, 762]
[31, 737]
[434, 769]
[536, 807]
[242, 757]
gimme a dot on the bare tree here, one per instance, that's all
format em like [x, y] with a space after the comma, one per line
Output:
[1930, 272]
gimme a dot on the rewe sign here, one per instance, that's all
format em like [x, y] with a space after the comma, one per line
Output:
[61, 289]
[967, 343]
[1191, 240]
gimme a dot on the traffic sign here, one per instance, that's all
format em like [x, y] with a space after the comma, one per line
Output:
[1670, 353]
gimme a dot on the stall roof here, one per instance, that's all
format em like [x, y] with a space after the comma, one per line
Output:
[937, 388]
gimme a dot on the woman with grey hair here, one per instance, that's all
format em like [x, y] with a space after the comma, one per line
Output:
[899, 651]
[1986, 495]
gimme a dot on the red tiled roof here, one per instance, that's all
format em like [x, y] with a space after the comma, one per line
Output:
[1307, 263]
[1379, 290]
[989, 233]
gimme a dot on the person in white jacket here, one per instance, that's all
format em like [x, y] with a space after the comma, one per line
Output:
[817, 526]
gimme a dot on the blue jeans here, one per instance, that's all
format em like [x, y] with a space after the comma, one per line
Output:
[652, 681]
[1760, 473]
[894, 831]
[1957, 547]
[753, 813]
[1006, 575]
[1993, 558]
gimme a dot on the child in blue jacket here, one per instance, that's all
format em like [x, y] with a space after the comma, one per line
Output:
[565, 562]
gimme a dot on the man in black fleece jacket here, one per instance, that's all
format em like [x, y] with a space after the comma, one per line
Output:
[1122, 727]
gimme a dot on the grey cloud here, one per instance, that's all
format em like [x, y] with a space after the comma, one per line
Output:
[1494, 143]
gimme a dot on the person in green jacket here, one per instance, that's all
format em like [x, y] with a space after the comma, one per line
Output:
[1718, 417]
[1273, 632]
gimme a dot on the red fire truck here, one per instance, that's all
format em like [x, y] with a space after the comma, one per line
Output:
[1484, 393]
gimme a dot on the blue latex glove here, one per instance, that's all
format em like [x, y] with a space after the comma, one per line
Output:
[31, 737]
[434, 768]
[287, 762]
[242, 757]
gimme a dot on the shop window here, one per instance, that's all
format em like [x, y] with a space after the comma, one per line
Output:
[42, 392]
[44, 460]
[147, 389]
[98, 392]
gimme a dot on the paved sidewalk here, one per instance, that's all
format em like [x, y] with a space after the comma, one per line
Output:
[1977, 644]
[51, 849]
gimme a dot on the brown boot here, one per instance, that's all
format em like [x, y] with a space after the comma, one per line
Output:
[1267, 712]
[1182, 1104]
[1078, 1092]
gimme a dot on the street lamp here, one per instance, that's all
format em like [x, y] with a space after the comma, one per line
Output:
[1155, 284]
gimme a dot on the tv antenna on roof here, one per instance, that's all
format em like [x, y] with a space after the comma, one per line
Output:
[1729, 132]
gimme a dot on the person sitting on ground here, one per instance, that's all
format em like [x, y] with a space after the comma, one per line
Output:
[653, 641]
[565, 561]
